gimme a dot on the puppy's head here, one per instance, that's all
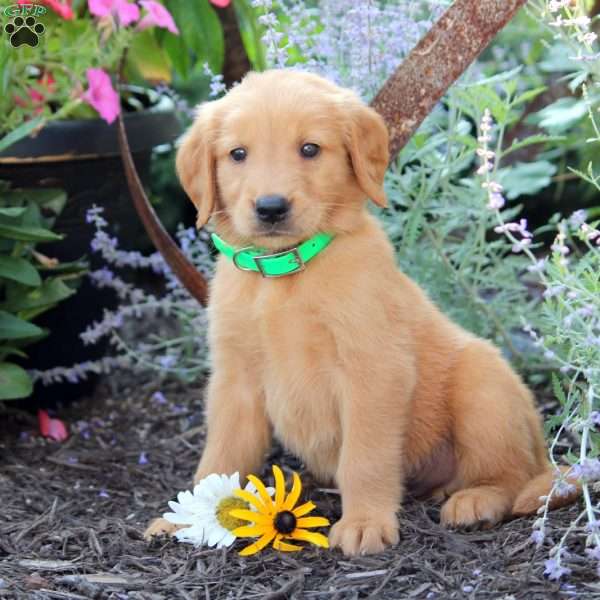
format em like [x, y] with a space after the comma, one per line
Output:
[281, 157]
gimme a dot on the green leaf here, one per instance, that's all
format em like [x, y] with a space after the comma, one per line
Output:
[19, 269]
[20, 132]
[13, 328]
[14, 382]
[10, 350]
[495, 79]
[561, 115]
[251, 33]
[527, 178]
[532, 139]
[28, 233]
[528, 95]
[558, 390]
[201, 31]
[148, 58]
[12, 211]
[24, 299]
[178, 53]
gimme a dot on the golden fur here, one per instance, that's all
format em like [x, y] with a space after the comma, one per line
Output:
[348, 363]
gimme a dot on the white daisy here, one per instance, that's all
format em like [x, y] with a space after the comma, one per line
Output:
[205, 511]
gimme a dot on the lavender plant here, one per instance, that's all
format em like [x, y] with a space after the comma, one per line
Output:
[355, 44]
[164, 333]
[568, 334]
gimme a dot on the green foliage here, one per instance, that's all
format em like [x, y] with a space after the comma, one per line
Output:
[30, 283]
[439, 221]
[46, 82]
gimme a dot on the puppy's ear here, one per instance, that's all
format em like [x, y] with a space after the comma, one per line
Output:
[367, 142]
[196, 163]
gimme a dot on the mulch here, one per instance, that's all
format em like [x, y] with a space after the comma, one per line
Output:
[72, 516]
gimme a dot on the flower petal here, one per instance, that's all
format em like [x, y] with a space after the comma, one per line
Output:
[312, 522]
[234, 481]
[178, 519]
[250, 530]
[279, 487]
[304, 509]
[262, 491]
[294, 494]
[250, 515]
[278, 544]
[213, 484]
[227, 540]
[101, 95]
[250, 499]
[259, 545]
[215, 535]
[318, 539]
[191, 535]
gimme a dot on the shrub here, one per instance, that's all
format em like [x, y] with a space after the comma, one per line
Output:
[30, 282]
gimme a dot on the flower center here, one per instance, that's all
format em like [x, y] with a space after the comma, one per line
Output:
[222, 512]
[285, 521]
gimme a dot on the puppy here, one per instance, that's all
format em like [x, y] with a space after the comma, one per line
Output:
[342, 357]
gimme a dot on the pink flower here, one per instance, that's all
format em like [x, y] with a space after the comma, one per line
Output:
[62, 10]
[158, 16]
[101, 95]
[124, 11]
[221, 3]
[54, 429]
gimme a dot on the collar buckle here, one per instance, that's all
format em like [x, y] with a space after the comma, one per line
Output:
[235, 256]
[294, 258]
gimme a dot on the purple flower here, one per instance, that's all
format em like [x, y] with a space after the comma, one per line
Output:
[520, 245]
[578, 218]
[168, 361]
[143, 459]
[593, 552]
[587, 470]
[103, 493]
[595, 418]
[554, 570]
[496, 201]
[537, 537]
[159, 398]
[538, 267]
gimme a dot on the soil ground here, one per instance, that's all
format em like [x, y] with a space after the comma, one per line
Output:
[72, 516]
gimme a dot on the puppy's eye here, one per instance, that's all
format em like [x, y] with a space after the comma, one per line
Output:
[310, 150]
[238, 154]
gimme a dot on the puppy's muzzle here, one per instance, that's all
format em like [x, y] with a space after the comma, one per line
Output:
[272, 209]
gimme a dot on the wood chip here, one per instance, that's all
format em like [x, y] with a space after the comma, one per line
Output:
[376, 573]
[47, 565]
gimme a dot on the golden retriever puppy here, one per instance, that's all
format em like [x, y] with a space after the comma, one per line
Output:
[342, 357]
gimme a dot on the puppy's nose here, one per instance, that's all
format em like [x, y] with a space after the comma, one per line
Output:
[272, 208]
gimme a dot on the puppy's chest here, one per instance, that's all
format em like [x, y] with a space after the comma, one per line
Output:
[299, 377]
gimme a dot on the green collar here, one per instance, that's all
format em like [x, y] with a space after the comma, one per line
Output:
[283, 263]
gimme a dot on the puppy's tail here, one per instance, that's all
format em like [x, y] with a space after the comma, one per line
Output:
[528, 501]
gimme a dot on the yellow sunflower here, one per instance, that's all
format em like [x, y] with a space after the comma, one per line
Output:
[276, 519]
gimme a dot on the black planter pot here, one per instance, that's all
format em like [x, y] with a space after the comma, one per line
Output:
[82, 157]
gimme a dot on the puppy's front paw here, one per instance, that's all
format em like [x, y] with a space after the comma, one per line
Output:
[364, 535]
[159, 526]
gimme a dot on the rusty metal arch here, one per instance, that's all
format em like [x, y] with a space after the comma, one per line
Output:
[407, 97]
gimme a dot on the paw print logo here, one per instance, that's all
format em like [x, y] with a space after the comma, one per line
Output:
[24, 31]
